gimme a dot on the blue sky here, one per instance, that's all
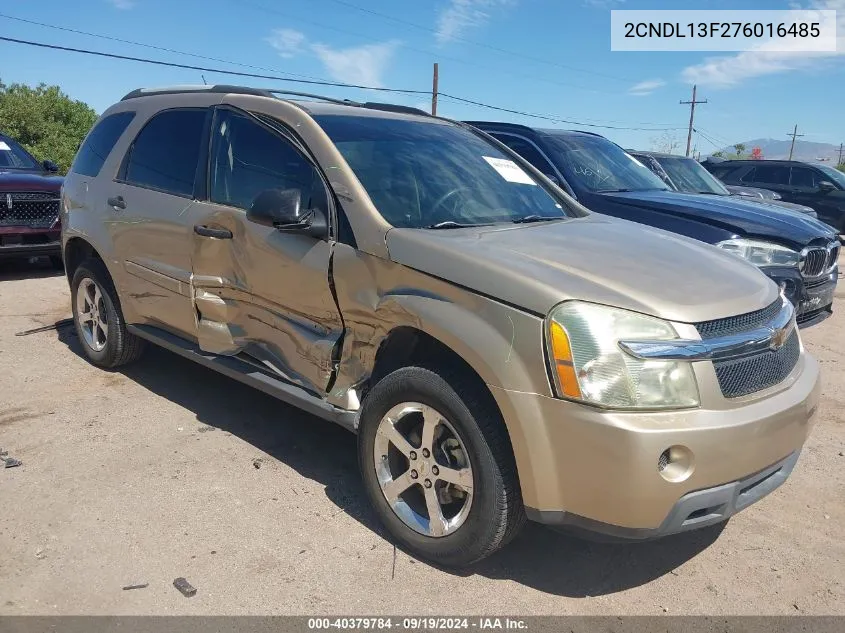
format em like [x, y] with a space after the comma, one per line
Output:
[541, 56]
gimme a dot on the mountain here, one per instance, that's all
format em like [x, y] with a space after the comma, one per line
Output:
[804, 150]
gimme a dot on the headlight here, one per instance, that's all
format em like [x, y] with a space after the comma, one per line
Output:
[761, 253]
[588, 364]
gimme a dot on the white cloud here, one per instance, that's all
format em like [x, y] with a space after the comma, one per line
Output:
[363, 65]
[286, 41]
[463, 15]
[646, 87]
[123, 5]
[730, 70]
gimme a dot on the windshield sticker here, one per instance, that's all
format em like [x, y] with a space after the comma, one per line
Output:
[4, 147]
[509, 170]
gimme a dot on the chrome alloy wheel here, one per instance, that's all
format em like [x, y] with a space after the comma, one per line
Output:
[92, 314]
[423, 469]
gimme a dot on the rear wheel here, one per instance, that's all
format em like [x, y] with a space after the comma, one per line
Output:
[438, 467]
[98, 319]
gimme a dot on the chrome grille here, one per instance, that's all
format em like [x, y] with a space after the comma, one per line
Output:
[740, 323]
[35, 209]
[833, 255]
[813, 262]
[742, 376]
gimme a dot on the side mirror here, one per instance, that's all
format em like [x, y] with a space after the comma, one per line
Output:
[50, 166]
[826, 186]
[282, 210]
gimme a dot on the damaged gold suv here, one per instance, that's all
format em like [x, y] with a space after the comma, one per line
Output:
[501, 352]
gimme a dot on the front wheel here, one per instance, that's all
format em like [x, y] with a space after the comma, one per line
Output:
[437, 467]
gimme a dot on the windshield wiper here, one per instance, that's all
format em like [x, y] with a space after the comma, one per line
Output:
[536, 218]
[450, 224]
[620, 190]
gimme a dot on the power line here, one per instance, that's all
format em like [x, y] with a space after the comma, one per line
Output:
[707, 138]
[236, 73]
[150, 46]
[319, 83]
[552, 118]
[254, 67]
[424, 51]
[479, 44]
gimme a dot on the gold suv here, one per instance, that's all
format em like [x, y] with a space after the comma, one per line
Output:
[500, 351]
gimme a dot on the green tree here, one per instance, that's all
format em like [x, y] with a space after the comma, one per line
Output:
[841, 167]
[718, 154]
[740, 148]
[45, 121]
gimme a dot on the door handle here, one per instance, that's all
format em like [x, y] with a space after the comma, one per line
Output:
[117, 202]
[220, 234]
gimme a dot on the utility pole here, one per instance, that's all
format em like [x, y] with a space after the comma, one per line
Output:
[840, 154]
[793, 135]
[691, 105]
[434, 91]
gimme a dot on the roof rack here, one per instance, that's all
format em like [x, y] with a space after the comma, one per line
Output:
[269, 92]
[219, 88]
[392, 107]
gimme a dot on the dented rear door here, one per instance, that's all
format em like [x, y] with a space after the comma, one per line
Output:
[258, 291]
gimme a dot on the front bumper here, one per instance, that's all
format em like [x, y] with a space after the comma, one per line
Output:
[813, 299]
[16, 242]
[598, 469]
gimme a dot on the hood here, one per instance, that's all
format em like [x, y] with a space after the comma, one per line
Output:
[755, 219]
[594, 258]
[27, 180]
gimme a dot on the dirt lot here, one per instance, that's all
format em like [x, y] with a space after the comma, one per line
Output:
[167, 469]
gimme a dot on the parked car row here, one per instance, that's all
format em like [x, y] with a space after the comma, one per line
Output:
[501, 350]
[818, 186]
[686, 174]
[798, 252]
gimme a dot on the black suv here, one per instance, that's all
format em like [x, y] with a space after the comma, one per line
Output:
[819, 186]
[797, 252]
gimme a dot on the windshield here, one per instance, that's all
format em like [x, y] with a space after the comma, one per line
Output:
[13, 156]
[421, 174]
[689, 176]
[835, 175]
[598, 165]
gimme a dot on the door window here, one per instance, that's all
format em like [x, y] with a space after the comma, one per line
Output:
[247, 158]
[164, 155]
[99, 144]
[772, 174]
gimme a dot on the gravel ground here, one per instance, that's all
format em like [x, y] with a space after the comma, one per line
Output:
[166, 469]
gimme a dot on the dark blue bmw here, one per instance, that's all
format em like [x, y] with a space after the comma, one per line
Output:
[797, 252]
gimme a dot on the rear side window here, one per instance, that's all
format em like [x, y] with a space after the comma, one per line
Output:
[99, 143]
[803, 177]
[164, 155]
[772, 174]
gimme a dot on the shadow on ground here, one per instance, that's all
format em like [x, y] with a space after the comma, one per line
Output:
[33, 268]
[323, 452]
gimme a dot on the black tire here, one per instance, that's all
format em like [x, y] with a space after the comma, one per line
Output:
[57, 262]
[496, 513]
[121, 347]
